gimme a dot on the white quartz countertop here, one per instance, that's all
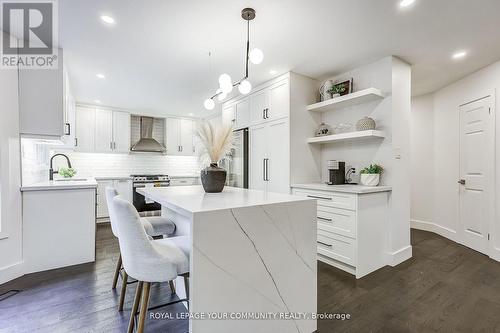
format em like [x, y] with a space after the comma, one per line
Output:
[61, 185]
[189, 175]
[358, 189]
[113, 177]
[193, 199]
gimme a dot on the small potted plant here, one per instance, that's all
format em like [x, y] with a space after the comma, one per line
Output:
[337, 90]
[67, 172]
[215, 144]
[370, 176]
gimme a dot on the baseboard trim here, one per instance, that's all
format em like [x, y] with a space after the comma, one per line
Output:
[399, 256]
[495, 253]
[435, 228]
[11, 272]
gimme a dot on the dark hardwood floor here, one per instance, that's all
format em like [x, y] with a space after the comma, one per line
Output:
[445, 287]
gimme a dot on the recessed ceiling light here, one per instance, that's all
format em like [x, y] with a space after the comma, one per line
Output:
[107, 19]
[98, 101]
[101, 76]
[273, 71]
[459, 55]
[406, 3]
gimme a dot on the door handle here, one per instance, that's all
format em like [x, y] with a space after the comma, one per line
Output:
[329, 245]
[461, 181]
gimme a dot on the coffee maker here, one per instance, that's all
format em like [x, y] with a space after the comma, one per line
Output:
[336, 171]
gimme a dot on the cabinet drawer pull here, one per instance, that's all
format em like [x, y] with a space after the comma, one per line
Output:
[316, 197]
[329, 245]
[324, 219]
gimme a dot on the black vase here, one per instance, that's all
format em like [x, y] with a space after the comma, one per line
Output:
[213, 178]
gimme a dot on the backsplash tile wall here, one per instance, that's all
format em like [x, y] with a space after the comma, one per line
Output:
[35, 163]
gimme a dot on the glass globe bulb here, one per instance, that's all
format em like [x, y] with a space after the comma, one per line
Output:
[224, 78]
[245, 87]
[221, 96]
[256, 56]
[226, 87]
[209, 104]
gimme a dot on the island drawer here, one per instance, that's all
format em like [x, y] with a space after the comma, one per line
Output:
[339, 221]
[337, 247]
[330, 199]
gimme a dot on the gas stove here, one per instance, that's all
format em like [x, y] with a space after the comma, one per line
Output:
[150, 178]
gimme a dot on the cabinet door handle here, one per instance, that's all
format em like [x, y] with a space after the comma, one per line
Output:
[316, 197]
[111, 145]
[266, 161]
[329, 245]
[324, 219]
[68, 129]
[76, 142]
[267, 112]
[264, 169]
[263, 113]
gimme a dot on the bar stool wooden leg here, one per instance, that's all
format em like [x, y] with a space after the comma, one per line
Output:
[124, 291]
[144, 307]
[117, 271]
[172, 286]
[137, 299]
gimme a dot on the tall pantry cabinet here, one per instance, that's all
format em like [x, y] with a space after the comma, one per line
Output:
[278, 128]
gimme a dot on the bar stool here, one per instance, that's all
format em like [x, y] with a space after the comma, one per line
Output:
[147, 260]
[155, 226]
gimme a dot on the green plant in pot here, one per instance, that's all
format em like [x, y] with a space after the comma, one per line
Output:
[337, 90]
[67, 172]
[215, 143]
[370, 176]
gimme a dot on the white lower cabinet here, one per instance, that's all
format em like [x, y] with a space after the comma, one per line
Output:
[122, 186]
[351, 229]
[58, 228]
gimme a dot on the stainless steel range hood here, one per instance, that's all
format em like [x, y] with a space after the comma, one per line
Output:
[146, 143]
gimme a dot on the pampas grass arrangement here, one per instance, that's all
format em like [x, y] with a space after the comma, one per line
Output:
[215, 142]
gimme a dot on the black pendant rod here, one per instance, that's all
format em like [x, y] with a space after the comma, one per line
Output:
[248, 48]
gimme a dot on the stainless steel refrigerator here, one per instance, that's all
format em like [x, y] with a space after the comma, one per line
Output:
[236, 162]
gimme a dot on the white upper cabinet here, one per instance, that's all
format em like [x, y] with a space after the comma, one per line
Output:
[42, 102]
[103, 131]
[173, 147]
[180, 136]
[279, 101]
[84, 129]
[121, 132]
[270, 103]
[258, 106]
[237, 114]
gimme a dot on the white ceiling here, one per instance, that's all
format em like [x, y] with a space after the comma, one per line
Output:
[155, 57]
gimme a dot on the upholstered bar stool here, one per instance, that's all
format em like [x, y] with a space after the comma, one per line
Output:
[148, 260]
[155, 226]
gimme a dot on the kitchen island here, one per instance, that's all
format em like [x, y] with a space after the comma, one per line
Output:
[253, 253]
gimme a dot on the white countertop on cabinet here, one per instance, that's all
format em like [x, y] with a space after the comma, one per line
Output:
[113, 178]
[192, 199]
[357, 189]
[60, 185]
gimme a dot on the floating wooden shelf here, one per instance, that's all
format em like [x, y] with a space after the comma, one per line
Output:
[346, 136]
[358, 97]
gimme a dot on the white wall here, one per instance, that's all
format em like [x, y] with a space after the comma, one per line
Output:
[10, 178]
[422, 158]
[393, 77]
[444, 217]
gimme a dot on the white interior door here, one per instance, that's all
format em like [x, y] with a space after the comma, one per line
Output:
[476, 176]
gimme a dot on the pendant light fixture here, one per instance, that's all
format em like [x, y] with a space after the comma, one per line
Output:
[255, 56]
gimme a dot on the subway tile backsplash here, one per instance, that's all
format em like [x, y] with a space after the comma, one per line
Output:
[35, 163]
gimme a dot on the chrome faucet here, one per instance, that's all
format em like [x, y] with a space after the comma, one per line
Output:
[51, 170]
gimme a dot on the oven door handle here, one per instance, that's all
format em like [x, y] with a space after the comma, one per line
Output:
[139, 185]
